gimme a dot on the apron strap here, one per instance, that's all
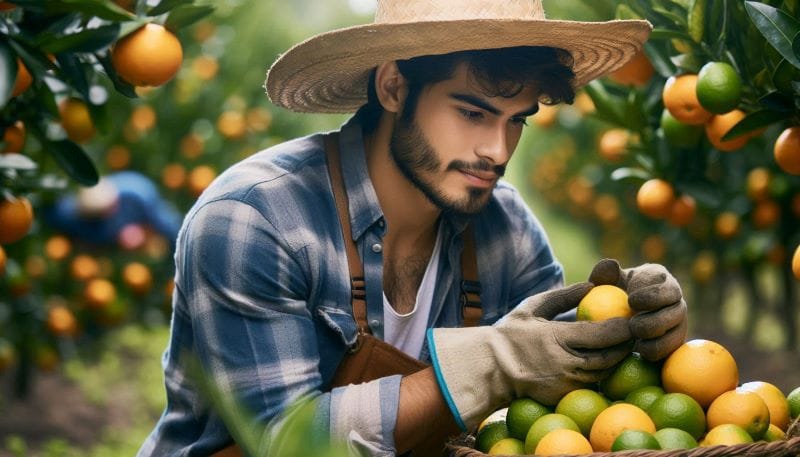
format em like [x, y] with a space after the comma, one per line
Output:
[470, 285]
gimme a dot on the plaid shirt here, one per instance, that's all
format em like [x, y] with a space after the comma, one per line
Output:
[262, 293]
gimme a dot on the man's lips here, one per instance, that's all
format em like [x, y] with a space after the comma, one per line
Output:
[483, 178]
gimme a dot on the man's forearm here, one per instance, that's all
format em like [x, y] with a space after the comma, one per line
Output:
[423, 415]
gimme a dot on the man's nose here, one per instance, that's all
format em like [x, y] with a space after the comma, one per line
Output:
[494, 146]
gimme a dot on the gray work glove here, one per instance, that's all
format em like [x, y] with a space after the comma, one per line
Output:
[660, 324]
[525, 354]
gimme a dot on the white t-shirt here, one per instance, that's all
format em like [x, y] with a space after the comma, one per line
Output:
[407, 331]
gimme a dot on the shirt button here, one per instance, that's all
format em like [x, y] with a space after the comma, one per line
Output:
[381, 223]
[375, 323]
[377, 247]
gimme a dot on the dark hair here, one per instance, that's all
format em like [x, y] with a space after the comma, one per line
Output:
[501, 72]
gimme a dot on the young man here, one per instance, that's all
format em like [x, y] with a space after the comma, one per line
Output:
[269, 293]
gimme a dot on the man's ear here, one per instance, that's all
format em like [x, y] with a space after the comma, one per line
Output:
[390, 86]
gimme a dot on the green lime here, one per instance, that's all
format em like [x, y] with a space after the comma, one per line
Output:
[632, 373]
[508, 446]
[675, 438]
[522, 413]
[490, 434]
[678, 410]
[774, 433]
[634, 439]
[794, 403]
[544, 425]
[679, 134]
[582, 406]
[643, 397]
[719, 88]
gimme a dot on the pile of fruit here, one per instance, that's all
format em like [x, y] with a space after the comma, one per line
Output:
[692, 398]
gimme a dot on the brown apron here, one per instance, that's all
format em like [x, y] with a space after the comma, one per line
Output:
[371, 358]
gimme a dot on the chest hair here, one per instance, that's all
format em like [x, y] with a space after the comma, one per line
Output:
[401, 281]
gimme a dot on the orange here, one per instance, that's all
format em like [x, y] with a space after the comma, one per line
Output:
[682, 211]
[192, 146]
[259, 118]
[719, 87]
[655, 198]
[150, 56]
[787, 150]
[231, 124]
[522, 413]
[740, 407]
[57, 247]
[704, 267]
[614, 420]
[61, 321]
[16, 219]
[99, 293]
[137, 277]
[766, 213]
[76, 120]
[727, 225]
[14, 138]
[199, 178]
[702, 369]
[719, 125]
[143, 118]
[654, 248]
[23, 81]
[796, 262]
[582, 406]
[545, 425]
[118, 157]
[507, 446]
[727, 434]
[173, 176]
[776, 402]
[3, 260]
[680, 98]
[677, 410]
[613, 144]
[35, 266]
[606, 208]
[636, 72]
[563, 441]
[205, 67]
[84, 268]
[604, 302]
[758, 180]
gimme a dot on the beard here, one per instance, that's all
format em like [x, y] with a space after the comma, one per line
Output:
[418, 161]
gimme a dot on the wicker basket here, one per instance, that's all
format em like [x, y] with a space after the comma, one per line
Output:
[462, 447]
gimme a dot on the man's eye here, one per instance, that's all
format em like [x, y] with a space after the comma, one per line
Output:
[470, 115]
[520, 120]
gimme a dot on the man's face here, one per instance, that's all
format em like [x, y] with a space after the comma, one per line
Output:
[458, 142]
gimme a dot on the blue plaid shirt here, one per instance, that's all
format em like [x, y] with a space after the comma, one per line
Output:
[262, 293]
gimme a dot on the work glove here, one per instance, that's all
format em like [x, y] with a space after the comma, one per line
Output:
[660, 324]
[525, 354]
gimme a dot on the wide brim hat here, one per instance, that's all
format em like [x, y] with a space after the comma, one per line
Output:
[328, 73]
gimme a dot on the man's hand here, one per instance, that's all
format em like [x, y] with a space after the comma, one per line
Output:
[525, 354]
[660, 324]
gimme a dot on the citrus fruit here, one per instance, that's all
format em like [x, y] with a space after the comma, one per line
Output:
[545, 425]
[563, 441]
[613, 144]
[719, 88]
[787, 150]
[61, 321]
[678, 133]
[137, 277]
[507, 446]
[16, 219]
[582, 406]
[644, 397]
[199, 179]
[683, 211]
[721, 124]
[655, 198]
[636, 72]
[702, 369]
[632, 373]
[796, 262]
[794, 403]
[522, 413]
[774, 433]
[490, 433]
[7, 6]
[8, 355]
[150, 56]
[613, 421]
[743, 408]
[634, 439]
[776, 402]
[675, 438]
[727, 224]
[23, 80]
[99, 293]
[758, 180]
[680, 98]
[677, 410]
[496, 416]
[603, 302]
[76, 120]
[727, 434]
[3, 259]
[14, 137]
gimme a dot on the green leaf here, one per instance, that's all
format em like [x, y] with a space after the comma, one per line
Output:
[672, 17]
[663, 34]
[706, 194]
[754, 121]
[696, 20]
[626, 173]
[626, 12]
[165, 6]
[185, 15]
[8, 72]
[776, 101]
[796, 45]
[74, 161]
[121, 86]
[88, 40]
[97, 8]
[783, 76]
[660, 60]
[74, 73]
[17, 162]
[606, 106]
[689, 62]
[776, 26]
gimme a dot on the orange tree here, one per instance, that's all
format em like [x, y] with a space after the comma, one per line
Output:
[698, 152]
[63, 65]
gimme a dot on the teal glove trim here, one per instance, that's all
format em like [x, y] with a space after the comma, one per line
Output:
[440, 380]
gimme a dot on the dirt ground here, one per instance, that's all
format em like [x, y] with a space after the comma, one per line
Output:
[56, 408]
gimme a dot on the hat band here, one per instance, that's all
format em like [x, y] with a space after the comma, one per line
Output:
[402, 11]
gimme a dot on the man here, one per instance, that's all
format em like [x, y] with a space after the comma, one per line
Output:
[267, 296]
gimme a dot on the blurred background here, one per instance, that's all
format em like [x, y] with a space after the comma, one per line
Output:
[96, 174]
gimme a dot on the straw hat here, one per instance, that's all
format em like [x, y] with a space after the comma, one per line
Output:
[328, 73]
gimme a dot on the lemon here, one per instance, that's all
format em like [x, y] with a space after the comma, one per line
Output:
[774, 433]
[582, 406]
[634, 439]
[604, 302]
[545, 425]
[719, 88]
[508, 446]
[727, 434]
